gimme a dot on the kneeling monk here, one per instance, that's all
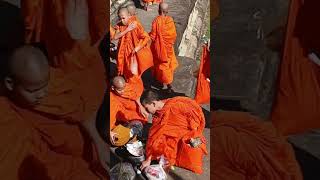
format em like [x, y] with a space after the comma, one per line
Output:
[176, 122]
[44, 139]
[245, 147]
[128, 93]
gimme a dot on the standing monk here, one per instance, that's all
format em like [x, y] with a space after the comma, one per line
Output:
[163, 35]
[203, 82]
[297, 104]
[132, 44]
[176, 122]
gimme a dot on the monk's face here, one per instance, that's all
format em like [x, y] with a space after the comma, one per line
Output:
[151, 108]
[29, 91]
[119, 89]
[124, 17]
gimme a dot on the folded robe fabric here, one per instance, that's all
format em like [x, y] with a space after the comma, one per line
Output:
[245, 147]
[203, 85]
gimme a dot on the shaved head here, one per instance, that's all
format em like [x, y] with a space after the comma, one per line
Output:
[28, 76]
[123, 14]
[163, 8]
[131, 9]
[119, 82]
[123, 11]
[28, 63]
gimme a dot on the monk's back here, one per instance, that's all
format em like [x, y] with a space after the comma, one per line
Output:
[248, 148]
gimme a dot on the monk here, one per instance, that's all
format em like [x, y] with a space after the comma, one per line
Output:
[203, 81]
[71, 33]
[297, 103]
[150, 2]
[176, 121]
[132, 44]
[28, 146]
[163, 35]
[245, 147]
[128, 93]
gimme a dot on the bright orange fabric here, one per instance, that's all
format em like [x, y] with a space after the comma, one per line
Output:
[79, 61]
[163, 35]
[115, 107]
[203, 86]
[44, 144]
[132, 92]
[180, 119]
[245, 147]
[127, 43]
[297, 103]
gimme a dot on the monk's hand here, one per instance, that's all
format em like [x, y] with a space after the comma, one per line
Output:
[134, 65]
[132, 26]
[145, 163]
[77, 19]
[135, 50]
[113, 137]
[143, 112]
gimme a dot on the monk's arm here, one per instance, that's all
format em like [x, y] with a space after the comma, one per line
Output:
[143, 37]
[119, 34]
[153, 32]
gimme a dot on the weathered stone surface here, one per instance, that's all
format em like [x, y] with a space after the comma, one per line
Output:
[196, 27]
[243, 68]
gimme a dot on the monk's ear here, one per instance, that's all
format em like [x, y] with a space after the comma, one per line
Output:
[8, 82]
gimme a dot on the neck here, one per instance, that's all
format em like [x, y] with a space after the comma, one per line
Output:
[161, 104]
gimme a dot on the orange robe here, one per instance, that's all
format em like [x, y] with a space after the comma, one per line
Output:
[163, 35]
[78, 60]
[180, 119]
[245, 147]
[203, 86]
[129, 109]
[127, 43]
[46, 141]
[297, 103]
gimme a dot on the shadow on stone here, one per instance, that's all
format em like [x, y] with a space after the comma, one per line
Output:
[138, 4]
[309, 164]
[175, 176]
[226, 104]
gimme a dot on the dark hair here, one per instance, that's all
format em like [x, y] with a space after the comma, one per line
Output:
[148, 96]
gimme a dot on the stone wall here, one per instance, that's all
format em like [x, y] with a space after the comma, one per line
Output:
[243, 68]
[196, 28]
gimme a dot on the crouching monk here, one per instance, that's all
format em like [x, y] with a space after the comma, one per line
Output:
[176, 122]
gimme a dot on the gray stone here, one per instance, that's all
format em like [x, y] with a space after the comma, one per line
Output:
[243, 68]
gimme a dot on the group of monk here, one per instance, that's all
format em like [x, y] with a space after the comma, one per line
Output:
[175, 120]
[52, 85]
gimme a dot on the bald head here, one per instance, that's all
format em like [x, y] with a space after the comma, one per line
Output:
[131, 9]
[124, 16]
[123, 11]
[163, 8]
[118, 82]
[29, 64]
